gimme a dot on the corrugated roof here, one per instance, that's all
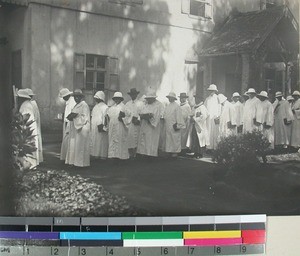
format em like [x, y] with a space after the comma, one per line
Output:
[243, 32]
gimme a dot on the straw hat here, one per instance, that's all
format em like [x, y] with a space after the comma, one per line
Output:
[183, 95]
[222, 98]
[118, 95]
[296, 93]
[30, 92]
[133, 91]
[100, 95]
[64, 92]
[263, 94]
[289, 98]
[23, 93]
[172, 95]
[251, 90]
[278, 94]
[78, 92]
[236, 94]
[212, 87]
[150, 95]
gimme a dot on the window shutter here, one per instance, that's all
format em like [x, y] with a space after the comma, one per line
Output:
[209, 9]
[185, 6]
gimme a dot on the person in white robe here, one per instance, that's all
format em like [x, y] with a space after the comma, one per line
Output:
[119, 119]
[26, 107]
[99, 135]
[186, 114]
[78, 153]
[227, 118]
[134, 106]
[213, 107]
[66, 95]
[295, 136]
[37, 117]
[174, 122]
[239, 109]
[250, 111]
[283, 118]
[291, 100]
[150, 126]
[198, 137]
[264, 118]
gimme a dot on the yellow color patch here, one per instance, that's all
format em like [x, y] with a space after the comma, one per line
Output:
[213, 234]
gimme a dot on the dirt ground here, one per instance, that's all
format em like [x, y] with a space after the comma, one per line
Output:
[193, 187]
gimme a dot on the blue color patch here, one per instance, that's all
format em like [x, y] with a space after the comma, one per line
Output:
[90, 235]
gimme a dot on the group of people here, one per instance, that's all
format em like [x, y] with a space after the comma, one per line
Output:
[147, 127]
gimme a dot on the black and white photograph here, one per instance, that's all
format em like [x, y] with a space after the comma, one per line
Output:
[149, 107]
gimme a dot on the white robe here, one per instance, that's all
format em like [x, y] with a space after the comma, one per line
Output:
[295, 137]
[249, 114]
[27, 108]
[239, 110]
[150, 131]
[200, 117]
[265, 115]
[37, 117]
[186, 114]
[282, 110]
[70, 104]
[134, 130]
[99, 140]
[173, 115]
[162, 137]
[118, 131]
[228, 115]
[213, 107]
[78, 152]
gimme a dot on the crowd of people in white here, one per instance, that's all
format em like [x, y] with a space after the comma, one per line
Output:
[146, 127]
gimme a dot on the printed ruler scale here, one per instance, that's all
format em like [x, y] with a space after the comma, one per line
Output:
[120, 236]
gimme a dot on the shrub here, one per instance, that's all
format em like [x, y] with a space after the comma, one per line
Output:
[240, 151]
[23, 143]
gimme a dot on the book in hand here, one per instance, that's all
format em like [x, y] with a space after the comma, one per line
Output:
[266, 126]
[230, 125]
[286, 122]
[71, 116]
[255, 122]
[175, 127]
[101, 128]
[121, 116]
[240, 129]
[217, 120]
[146, 116]
[135, 121]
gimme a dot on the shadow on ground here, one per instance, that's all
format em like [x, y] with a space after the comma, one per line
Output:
[188, 187]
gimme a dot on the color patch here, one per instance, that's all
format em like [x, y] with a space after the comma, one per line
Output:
[153, 242]
[213, 241]
[29, 235]
[212, 234]
[151, 235]
[91, 235]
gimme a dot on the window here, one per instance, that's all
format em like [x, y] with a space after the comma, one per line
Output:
[127, 2]
[96, 73]
[197, 8]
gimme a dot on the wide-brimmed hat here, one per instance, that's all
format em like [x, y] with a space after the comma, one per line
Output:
[64, 92]
[263, 94]
[289, 98]
[296, 93]
[77, 92]
[23, 93]
[100, 95]
[236, 94]
[133, 91]
[222, 98]
[251, 90]
[172, 95]
[151, 95]
[278, 94]
[118, 95]
[212, 87]
[30, 92]
[183, 95]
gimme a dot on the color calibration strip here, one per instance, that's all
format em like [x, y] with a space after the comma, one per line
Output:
[199, 235]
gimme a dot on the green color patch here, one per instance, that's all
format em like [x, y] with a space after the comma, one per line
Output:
[152, 235]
